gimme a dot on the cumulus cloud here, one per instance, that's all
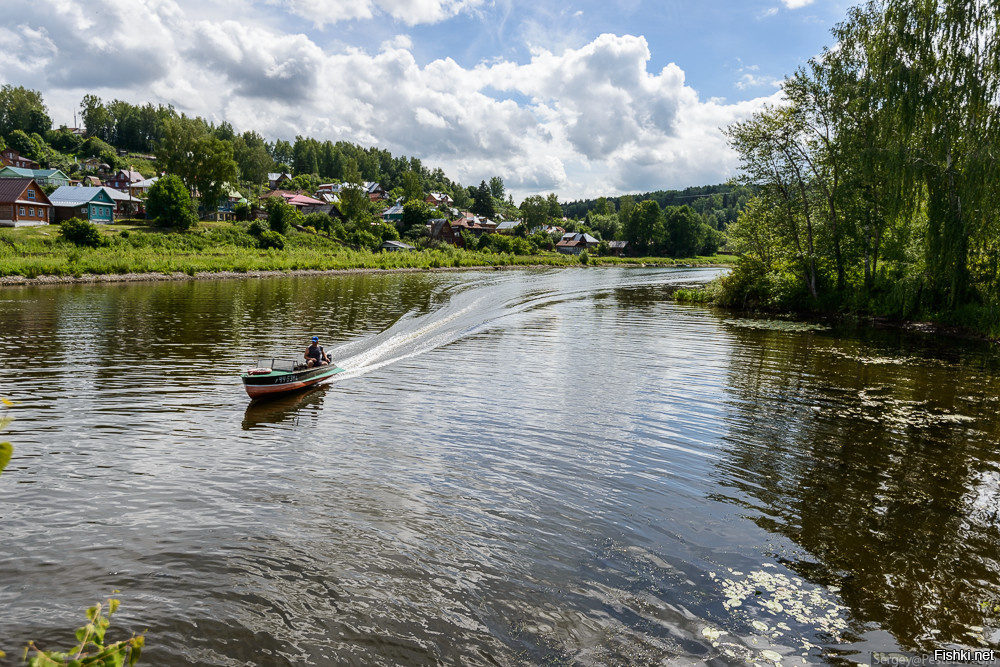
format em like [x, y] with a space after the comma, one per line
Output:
[578, 121]
[796, 4]
[410, 12]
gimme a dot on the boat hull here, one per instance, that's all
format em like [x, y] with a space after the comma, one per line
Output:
[282, 382]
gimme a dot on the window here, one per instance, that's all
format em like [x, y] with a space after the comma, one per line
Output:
[41, 214]
[84, 210]
[20, 210]
[31, 211]
[31, 194]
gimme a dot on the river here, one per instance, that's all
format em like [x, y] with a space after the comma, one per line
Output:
[517, 467]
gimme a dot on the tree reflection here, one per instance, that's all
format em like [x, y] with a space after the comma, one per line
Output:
[880, 461]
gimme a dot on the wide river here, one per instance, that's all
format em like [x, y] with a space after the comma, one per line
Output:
[517, 467]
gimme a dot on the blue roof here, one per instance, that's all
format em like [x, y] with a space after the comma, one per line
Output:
[66, 195]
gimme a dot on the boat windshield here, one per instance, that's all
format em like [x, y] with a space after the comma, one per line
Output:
[277, 364]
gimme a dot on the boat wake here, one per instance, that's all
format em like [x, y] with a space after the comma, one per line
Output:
[471, 308]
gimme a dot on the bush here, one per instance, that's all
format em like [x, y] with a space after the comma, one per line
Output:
[585, 257]
[321, 222]
[257, 228]
[81, 233]
[271, 239]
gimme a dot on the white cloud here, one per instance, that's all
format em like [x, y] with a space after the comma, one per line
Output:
[579, 121]
[796, 4]
[410, 12]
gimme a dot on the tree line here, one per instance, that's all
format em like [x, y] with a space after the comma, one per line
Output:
[877, 179]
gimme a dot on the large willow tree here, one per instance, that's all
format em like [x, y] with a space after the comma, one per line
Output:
[880, 172]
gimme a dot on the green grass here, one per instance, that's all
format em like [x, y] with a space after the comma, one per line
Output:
[135, 247]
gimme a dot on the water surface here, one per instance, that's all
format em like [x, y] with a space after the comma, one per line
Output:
[518, 467]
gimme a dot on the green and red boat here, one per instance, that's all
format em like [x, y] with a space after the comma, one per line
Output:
[272, 377]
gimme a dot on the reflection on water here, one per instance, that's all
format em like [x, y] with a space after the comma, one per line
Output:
[516, 468]
[291, 407]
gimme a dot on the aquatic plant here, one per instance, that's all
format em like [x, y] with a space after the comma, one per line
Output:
[92, 648]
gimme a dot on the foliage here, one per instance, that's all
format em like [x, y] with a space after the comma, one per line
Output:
[416, 215]
[92, 648]
[321, 222]
[484, 204]
[877, 181]
[81, 233]
[22, 109]
[281, 215]
[169, 204]
[202, 161]
[243, 210]
[271, 239]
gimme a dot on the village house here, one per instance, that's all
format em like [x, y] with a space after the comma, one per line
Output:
[11, 158]
[440, 229]
[438, 200]
[93, 204]
[123, 179]
[393, 214]
[23, 203]
[617, 247]
[276, 179]
[296, 198]
[575, 243]
[41, 176]
[473, 224]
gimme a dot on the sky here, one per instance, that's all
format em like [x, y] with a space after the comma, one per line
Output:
[584, 99]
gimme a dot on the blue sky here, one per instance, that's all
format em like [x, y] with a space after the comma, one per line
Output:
[584, 99]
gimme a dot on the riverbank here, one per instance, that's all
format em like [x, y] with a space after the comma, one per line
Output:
[89, 278]
[30, 256]
[706, 296]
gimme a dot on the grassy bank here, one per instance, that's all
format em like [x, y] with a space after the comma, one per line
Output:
[979, 321]
[33, 252]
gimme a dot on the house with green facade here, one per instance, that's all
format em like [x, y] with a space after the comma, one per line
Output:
[41, 176]
[93, 204]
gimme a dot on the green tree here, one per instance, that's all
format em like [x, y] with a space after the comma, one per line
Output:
[483, 204]
[497, 188]
[685, 231]
[413, 190]
[203, 162]
[23, 109]
[643, 222]
[416, 215]
[281, 215]
[354, 201]
[534, 212]
[169, 204]
[555, 210]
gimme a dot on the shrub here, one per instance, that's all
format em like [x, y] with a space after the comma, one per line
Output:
[584, 257]
[257, 228]
[321, 222]
[271, 239]
[81, 233]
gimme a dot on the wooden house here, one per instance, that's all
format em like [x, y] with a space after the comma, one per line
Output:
[23, 203]
[93, 204]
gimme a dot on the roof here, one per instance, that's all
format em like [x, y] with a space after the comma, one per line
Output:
[393, 210]
[397, 244]
[617, 244]
[508, 224]
[147, 183]
[66, 195]
[12, 188]
[118, 195]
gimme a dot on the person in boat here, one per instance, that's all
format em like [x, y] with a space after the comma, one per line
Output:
[315, 354]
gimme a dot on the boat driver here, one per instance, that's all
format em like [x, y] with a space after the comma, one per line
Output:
[315, 354]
